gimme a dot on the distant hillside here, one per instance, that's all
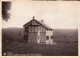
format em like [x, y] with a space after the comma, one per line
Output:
[65, 35]
[60, 35]
[14, 33]
[67, 32]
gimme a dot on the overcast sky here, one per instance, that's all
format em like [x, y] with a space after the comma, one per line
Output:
[56, 15]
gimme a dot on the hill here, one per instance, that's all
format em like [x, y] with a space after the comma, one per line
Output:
[65, 35]
[14, 33]
[60, 35]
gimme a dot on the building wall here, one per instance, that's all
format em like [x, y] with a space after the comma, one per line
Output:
[43, 37]
[49, 33]
[35, 26]
[37, 33]
[32, 37]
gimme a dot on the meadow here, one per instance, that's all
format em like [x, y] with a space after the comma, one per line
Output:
[65, 43]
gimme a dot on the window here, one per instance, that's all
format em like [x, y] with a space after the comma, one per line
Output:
[32, 28]
[26, 29]
[47, 37]
[26, 37]
[29, 28]
[51, 37]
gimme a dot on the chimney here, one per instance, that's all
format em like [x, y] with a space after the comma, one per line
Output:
[33, 17]
[42, 21]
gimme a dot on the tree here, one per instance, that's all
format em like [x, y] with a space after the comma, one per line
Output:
[6, 6]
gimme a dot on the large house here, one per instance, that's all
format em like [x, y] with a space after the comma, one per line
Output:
[36, 31]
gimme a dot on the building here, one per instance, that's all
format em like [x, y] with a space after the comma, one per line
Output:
[36, 31]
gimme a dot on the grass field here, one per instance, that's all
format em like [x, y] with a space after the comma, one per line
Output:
[57, 49]
[66, 43]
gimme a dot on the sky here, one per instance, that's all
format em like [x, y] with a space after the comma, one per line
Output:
[57, 15]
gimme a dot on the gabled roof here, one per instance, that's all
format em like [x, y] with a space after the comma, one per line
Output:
[43, 24]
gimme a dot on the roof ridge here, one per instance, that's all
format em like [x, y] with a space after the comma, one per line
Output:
[44, 24]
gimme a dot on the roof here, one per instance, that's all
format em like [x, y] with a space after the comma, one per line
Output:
[43, 24]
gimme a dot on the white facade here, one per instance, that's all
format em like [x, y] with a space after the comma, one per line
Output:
[49, 34]
[38, 37]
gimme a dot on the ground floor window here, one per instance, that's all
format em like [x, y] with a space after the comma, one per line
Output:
[51, 37]
[26, 38]
[47, 37]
